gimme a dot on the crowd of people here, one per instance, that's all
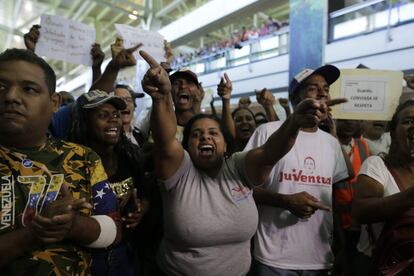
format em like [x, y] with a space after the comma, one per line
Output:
[236, 40]
[83, 191]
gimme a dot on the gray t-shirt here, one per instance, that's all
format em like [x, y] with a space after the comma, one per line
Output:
[208, 222]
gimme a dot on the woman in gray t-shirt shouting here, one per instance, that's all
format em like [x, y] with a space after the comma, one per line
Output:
[209, 212]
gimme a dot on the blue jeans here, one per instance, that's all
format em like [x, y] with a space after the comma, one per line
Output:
[259, 269]
[120, 260]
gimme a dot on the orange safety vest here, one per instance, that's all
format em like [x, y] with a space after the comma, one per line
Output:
[344, 191]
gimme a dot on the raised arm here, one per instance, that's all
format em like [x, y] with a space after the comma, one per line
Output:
[213, 108]
[168, 151]
[31, 38]
[224, 89]
[124, 58]
[266, 99]
[198, 98]
[262, 159]
[370, 205]
[97, 59]
[285, 104]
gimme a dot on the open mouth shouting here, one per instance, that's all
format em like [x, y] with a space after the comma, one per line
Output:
[246, 130]
[183, 99]
[112, 132]
[206, 150]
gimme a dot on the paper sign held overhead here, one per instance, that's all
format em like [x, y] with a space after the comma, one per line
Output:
[65, 40]
[371, 94]
[152, 42]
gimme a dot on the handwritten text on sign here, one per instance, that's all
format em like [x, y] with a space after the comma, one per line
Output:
[152, 42]
[65, 40]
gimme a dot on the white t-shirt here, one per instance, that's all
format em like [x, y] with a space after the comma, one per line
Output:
[382, 145]
[375, 168]
[208, 222]
[313, 164]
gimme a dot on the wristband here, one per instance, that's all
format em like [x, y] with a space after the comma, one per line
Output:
[107, 233]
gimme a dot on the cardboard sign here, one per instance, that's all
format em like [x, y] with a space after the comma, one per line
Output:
[65, 40]
[371, 94]
[153, 42]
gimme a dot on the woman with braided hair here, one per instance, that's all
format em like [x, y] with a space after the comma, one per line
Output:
[97, 124]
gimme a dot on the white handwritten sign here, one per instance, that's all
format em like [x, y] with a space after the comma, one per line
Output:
[65, 40]
[153, 42]
[371, 94]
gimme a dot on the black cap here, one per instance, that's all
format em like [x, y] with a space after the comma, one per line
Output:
[95, 98]
[184, 73]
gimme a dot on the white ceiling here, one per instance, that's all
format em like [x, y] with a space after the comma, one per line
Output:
[17, 16]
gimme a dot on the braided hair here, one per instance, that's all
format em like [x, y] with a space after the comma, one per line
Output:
[124, 148]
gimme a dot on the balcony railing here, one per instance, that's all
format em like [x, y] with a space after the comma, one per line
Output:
[369, 16]
[365, 17]
[252, 50]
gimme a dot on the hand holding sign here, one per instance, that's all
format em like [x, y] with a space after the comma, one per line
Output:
[65, 40]
[152, 42]
[125, 57]
[97, 54]
[31, 38]
[117, 47]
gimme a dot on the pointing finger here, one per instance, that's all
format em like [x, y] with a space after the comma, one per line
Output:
[336, 101]
[149, 59]
[221, 81]
[311, 197]
[227, 78]
[320, 206]
[133, 49]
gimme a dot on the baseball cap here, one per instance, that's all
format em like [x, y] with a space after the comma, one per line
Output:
[329, 72]
[134, 95]
[97, 97]
[184, 73]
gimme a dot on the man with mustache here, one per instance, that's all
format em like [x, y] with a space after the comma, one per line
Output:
[54, 196]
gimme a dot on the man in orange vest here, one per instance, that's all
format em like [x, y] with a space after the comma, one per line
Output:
[357, 150]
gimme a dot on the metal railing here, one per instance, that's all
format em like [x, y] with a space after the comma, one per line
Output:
[369, 16]
[272, 45]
